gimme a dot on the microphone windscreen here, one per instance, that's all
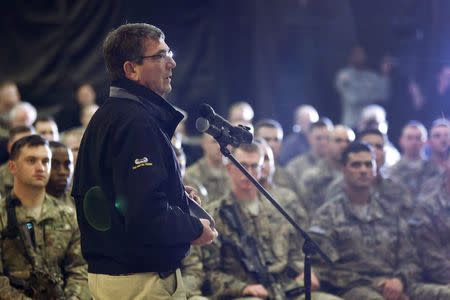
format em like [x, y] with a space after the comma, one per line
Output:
[202, 124]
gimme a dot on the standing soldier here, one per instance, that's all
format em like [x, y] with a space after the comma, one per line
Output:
[40, 240]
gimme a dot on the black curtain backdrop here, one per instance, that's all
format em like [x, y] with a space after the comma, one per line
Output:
[273, 54]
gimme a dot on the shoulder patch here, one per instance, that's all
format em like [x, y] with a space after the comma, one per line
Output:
[141, 162]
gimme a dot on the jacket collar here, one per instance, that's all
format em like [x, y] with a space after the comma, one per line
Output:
[166, 114]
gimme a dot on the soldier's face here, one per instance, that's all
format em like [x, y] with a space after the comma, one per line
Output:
[412, 141]
[273, 137]
[359, 171]
[32, 167]
[339, 140]
[253, 162]
[48, 130]
[62, 169]
[211, 148]
[377, 142]
[319, 141]
[439, 139]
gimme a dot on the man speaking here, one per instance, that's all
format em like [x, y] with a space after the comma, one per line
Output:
[132, 207]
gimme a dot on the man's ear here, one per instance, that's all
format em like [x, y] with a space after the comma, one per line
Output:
[12, 167]
[130, 70]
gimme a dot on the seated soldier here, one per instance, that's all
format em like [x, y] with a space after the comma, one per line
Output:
[413, 170]
[40, 247]
[6, 178]
[61, 173]
[257, 255]
[47, 128]
[431, 230]
[368, 244]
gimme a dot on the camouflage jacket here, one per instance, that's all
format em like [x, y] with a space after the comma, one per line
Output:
[57, 241]
[392, 195]
[6, 180]
[192, 271]
[314, 184]
[414, 174]
[223, 260]
[282, 178]
[299, 165]
[216, 185]
[291, 202]
[364, 246]
[431, 229]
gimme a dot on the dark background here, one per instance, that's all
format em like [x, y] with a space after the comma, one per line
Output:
[273, 54]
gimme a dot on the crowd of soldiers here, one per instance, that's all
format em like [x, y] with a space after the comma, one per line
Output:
[383, 219]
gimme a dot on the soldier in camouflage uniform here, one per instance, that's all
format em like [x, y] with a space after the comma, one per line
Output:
[412, 170]
[276, 254]
[210, 170]
[193, 274]
[431, 230]
[6, 178]
[439, 142]
[286, 197]
[61, 173]
[372, 254]
[48, 264]
[317, 179]
[272, 132]
[393, 194]
[318, 136]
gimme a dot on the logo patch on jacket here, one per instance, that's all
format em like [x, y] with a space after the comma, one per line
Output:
[141, 162]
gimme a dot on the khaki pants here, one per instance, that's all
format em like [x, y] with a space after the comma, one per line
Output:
[140, 286]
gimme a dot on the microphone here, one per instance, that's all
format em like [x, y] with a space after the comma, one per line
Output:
[216, 126]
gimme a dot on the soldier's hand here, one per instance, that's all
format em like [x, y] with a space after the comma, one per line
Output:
[255, 290]
[208, 235]
[315, 284]
[392, 288]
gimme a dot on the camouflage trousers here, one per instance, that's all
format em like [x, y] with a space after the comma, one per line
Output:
[430, 292]
[366, 293]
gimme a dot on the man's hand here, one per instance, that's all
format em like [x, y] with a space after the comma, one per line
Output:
[392, 288]
[315, 284]
[255, 290]
[193, 194]
[207, 236]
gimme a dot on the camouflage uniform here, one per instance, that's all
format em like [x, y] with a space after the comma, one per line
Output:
[276, 242]
[6, 180]
[67, 199]
[216, 184]
[414, 174]
[57, 238]
[366, 246]
[193, 274]
[431, 229]
[391, 194]
[299, 165]
[315, 183]
[290, 201]
[282, 178]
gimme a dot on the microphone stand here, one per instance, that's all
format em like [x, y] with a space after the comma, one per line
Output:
[309, 247]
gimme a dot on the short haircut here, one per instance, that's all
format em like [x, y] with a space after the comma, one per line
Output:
[356, 147]
[371, 131]
[57, 145]
[127, 43]
[19, 129]
[322, 123]
[7, 83]
[44, 119]
[271, 123]
[249, 148]
[440, 122]
[419, 126]
[30, 141]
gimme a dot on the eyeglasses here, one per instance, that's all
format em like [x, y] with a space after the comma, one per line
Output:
[252, 166]
[164, 55]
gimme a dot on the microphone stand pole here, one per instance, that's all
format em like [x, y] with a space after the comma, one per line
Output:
[309, 247]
